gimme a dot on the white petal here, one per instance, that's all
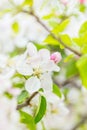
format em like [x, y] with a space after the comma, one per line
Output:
[52, 98]
[35, 61]
[31, 49]
[32, 84]
[44, 54]
[62, 109]
[46, 81]
[50, 66]
[24, 68]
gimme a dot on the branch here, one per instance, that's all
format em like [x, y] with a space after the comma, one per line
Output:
[67, 81]
[27, 102]
[52, 34]
[83, 120]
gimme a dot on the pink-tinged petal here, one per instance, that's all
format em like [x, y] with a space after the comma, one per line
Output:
[31, 49]
[44, 54]
[46, 82]
[64, 2]
[32, 84]
[56, 57]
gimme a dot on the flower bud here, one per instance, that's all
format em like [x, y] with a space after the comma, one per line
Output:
[56, 57]
[82, 1]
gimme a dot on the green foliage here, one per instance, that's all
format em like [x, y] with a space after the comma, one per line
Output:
[66, 39]
[51, 41]
[28, 2]
[18, 85]
[71, 68]
[82, 8]
[22, 97]
[5, 11]
[82, 67]
[8, 95]
[28, 120]
[68, 58]
[57, 91]
[83, 29]
[17, 51]
[82, 42]
[61, 27]
[57, 30]
[47, 17]
[15, 27]
[41, 109]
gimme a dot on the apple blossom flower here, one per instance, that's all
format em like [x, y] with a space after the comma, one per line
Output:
[5, 84]
[9, 117]
[6, 66]
[39, 66]
[56, 104]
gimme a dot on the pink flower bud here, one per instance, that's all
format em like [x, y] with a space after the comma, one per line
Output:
[82, 1]
[64, 2]
[56, 57]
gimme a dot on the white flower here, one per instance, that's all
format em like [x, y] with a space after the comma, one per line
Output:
[56, 110]
[38, 65]
[6, 66]
[4, 84]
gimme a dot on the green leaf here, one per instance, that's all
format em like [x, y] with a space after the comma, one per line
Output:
[82, 67]
[41, 109]
[78, 41]
[82, 8]
[57, 91]
[15, 27]
[71, 68]
[61, 27]
[28, 2]
[83, 29]
[8, 95]
[5, 11]
[64, 24]
[28, 120]
[22, 97]
[51, 41]
[66, 39]
[69, 57]
[47, 17]
[84, 49]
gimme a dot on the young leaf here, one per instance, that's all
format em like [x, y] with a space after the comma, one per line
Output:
[28, 120]
[41, 109]
[82, 67]
[57, 91]
[28, 2]
[50, 40]
[83, 28]
[66, 39]
[61, 27]
[68, 58]
[71, 68]
[21, 98]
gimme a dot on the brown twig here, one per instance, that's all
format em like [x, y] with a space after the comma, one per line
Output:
[52, 34]
[27, 102]
[68, 81]
[82, 121]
